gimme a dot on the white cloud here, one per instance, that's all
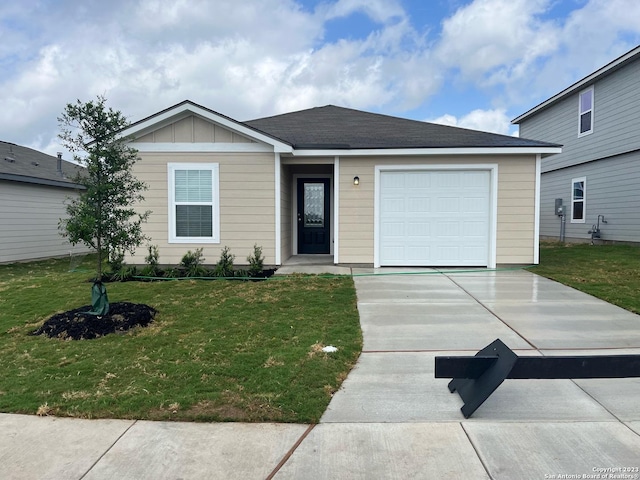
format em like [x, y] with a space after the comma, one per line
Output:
[243, 59]
[261, 57]
[493, 34]
[510, 50]
[380, 11]
[494, 121]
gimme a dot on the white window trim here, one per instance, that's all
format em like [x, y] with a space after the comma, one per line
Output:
[580, 112]
[215, 197]
[584, 199]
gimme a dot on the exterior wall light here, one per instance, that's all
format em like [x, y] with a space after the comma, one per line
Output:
[356, 180]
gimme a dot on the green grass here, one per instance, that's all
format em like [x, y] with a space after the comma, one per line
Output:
[609, 272]
[217, 351]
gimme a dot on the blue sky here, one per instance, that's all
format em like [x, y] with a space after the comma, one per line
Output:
[472, 63]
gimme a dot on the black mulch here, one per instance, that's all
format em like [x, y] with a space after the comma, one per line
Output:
[79, 325]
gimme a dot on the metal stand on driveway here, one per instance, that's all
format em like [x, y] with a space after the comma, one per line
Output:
[476, 378]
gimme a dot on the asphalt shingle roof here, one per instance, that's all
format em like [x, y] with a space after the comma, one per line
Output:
[332, 127]
[25, 164]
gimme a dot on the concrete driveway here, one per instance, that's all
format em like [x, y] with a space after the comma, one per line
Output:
[392, 419]
[404, 423]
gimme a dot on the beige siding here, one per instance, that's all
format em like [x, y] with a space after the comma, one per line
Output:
[516, 202]
[286, 201]
[247, 205]
[29, 215]
[193, 129]
[356, 209]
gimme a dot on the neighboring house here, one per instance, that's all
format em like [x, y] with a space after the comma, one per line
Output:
[597, 121]
[364, 188]
[33, 189]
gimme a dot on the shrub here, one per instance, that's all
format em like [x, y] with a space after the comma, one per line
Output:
[192, 263]
[152, 259]
[256, 261]
[224, 267]
[119, 271]
[124, 273]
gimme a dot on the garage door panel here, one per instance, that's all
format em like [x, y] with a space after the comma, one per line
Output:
[418, 180]
[446, 179]
[422, 229]
[419, 205]
[475, 205]
[448, 205]
[392, 180]
[437, 218]
[393, 205]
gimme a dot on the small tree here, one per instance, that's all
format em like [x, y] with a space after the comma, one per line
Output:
[102, 216]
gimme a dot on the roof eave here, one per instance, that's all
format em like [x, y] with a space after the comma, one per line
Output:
[542, 150]
[581, 84]
[40, 181]
[188, 107]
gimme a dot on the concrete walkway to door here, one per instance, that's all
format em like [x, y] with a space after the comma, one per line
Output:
[393, 419]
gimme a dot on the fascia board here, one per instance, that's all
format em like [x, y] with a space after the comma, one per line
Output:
[429, 151]
[580, 84]
[183, 110]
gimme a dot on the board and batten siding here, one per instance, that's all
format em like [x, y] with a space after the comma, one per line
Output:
[616, 114]
[193, 129]
[247, 205]
[516, 204]
[29, 215]
[611, 190]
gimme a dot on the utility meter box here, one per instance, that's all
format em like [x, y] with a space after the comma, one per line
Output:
[560, 208]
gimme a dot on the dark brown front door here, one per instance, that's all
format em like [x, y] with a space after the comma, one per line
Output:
[313, 215]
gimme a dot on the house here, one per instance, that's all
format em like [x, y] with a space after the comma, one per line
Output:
[596, 176]
[364, 188]
[33, 189]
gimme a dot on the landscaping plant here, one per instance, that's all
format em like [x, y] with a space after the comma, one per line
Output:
[102, 216]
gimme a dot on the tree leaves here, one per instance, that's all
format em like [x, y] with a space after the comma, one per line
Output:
[103, 216]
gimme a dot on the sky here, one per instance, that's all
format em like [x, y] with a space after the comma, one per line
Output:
[471, 63]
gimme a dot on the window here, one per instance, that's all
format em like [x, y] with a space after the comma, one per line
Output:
[578, 199]
[585, 107]
[193, 203]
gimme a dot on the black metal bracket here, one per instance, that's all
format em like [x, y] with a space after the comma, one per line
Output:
[476, 378]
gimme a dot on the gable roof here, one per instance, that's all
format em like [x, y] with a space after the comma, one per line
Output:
[186, 108]
[334, 128]
[608, 69]
[23, 164]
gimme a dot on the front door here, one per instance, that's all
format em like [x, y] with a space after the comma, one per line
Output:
[313, 215]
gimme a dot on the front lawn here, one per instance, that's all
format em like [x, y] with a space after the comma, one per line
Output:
[217, 351]
[609, 272]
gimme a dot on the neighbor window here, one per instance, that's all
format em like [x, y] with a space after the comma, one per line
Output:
[578, 199]
[193, 203]
[585, 120]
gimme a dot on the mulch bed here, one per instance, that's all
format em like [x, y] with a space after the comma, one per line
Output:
[79, 325]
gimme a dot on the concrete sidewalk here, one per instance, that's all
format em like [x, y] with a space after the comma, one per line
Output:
[392, 418]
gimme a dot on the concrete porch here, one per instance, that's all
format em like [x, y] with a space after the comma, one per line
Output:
[312, 265]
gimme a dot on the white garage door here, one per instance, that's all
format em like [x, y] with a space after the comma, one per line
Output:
[434, 218]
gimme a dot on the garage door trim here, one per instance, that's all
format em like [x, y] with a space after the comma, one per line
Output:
[493, 197]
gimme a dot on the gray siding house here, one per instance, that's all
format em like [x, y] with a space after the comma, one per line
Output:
[33, 189]
[597, 120]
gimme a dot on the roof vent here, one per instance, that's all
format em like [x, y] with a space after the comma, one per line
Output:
[60, 164]
[35, 164]
[11, 158]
